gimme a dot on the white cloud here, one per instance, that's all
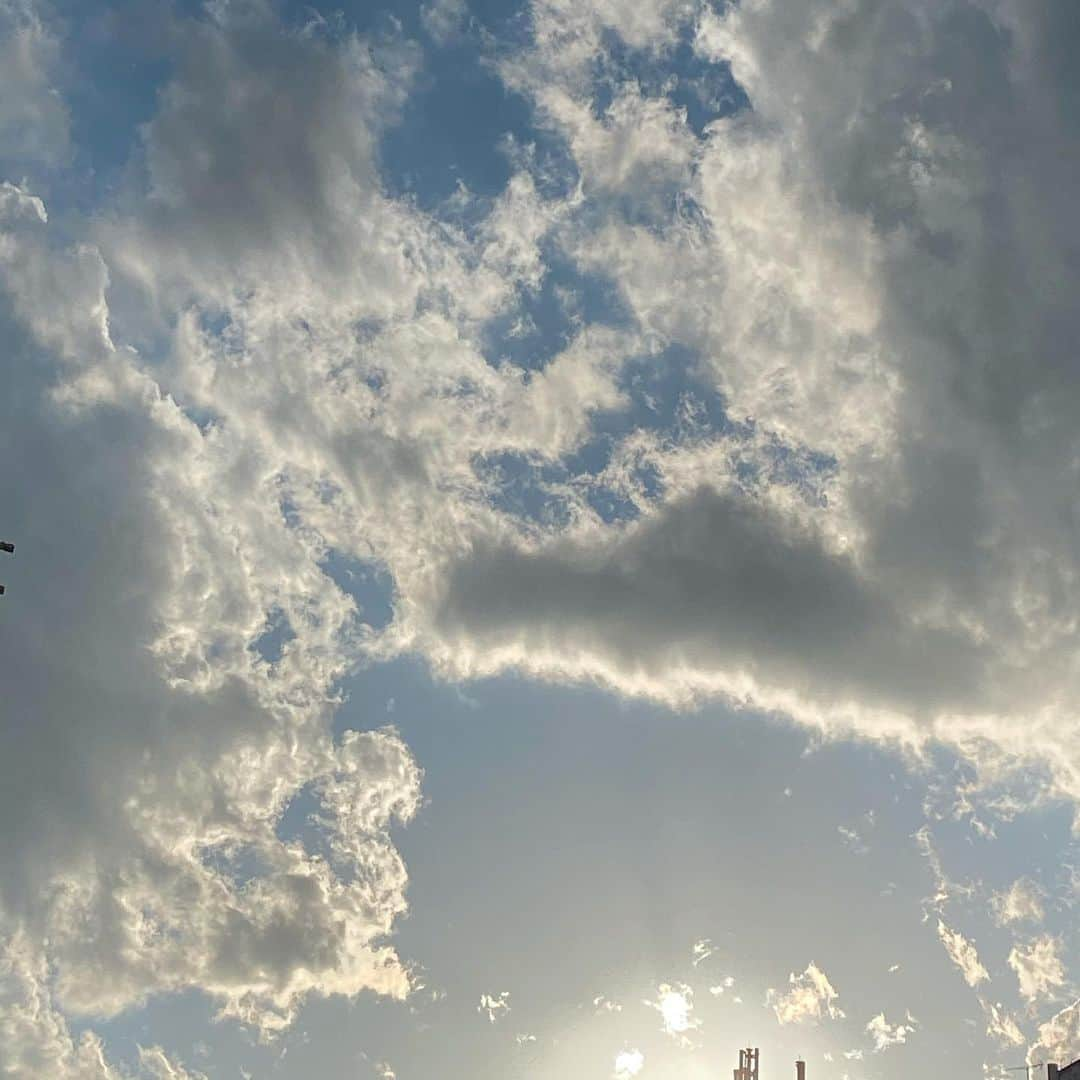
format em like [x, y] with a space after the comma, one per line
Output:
[837, 262]
[443, 19]
[701, 951]
[494, 1006]
[157, 1065]
[963, 954]
[886, 1035]
[602, 1004]
[1021, 902]
[36, 1040]
[262, 359]
[811, 997]
[1038, 967]
[1002, 1025]
[1059, 1038]
[852, 840]
[628, 1063]
[34, 121]
[675, 1004]
[151, 861]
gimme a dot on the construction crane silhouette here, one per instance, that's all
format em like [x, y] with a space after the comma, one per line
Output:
[10, 549]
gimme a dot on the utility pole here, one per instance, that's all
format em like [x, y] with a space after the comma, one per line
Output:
[10, 549]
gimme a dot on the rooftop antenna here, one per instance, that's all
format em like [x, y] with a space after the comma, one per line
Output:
[10, 549]
[748, 1065]
[1025, 1069]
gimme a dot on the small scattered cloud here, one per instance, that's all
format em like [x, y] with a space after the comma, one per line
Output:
[702, 950]
[811, 997]
[1021, 902]
[886, 1035]
[1001, 1025]
[852, 840]
[494, 1007]
[628, 1064]
[963, 954]
[675, 1004]
[1038, 967]
[443, 19]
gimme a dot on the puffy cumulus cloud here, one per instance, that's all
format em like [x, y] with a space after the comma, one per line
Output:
[1058, 1039]
[37, 1040]
[963, 954]
[569, 43]
[675, 1004]
[885, 1034]
[1038, 967]
[838, 251]
[1021, 902]
[884, 239]
[628, 1064]
[811, 997]
[257, 362]
[260, 167]
[152, 748]
[34, 122]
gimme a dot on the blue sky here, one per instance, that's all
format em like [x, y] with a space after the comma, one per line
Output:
[545, 539]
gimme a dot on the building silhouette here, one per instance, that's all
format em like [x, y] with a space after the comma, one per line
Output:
[750, 1057]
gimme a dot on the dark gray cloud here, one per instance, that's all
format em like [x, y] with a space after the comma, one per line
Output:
[713, 583]
[260, 165]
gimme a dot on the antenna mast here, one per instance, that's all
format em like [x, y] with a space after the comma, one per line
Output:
[748, 1065]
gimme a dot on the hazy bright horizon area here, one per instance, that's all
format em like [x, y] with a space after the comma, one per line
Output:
[547, 539]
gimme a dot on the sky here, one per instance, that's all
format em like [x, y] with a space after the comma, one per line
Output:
[547, 538]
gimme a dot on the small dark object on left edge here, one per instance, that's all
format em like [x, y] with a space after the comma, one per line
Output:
[10, 549]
